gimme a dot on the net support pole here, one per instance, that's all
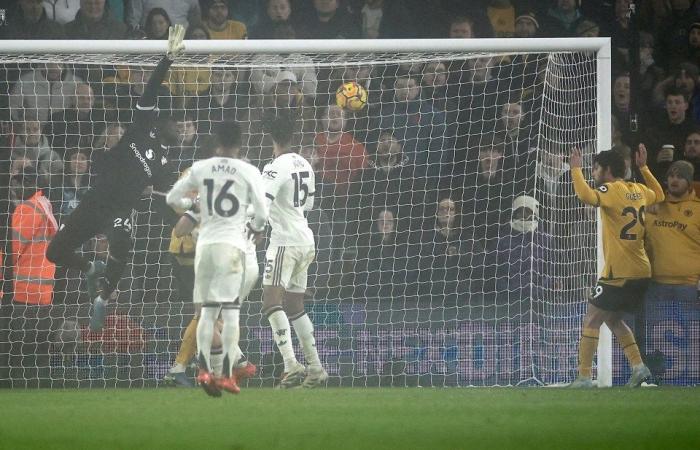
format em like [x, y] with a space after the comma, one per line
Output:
[604, 127]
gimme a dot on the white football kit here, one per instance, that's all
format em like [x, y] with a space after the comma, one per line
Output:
[226, 186]
[290, 189]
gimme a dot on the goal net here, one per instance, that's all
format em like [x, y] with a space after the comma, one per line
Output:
[451, 250]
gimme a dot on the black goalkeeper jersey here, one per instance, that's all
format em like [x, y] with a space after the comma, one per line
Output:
[139, 159]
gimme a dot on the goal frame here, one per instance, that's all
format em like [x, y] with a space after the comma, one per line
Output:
[600, 46]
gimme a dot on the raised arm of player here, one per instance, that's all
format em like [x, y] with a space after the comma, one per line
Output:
[257, 199]
[148, 99]
[655, 192]
[583, 191]
[178, 198]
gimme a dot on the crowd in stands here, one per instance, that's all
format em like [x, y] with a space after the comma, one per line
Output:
[434, 190]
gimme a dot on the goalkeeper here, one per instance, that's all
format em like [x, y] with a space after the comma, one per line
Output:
[136, 162]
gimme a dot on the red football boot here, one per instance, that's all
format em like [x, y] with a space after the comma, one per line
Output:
[228, 384]
[208, 383]
[247, 371]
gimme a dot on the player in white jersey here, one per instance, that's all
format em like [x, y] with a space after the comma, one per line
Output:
[289, 188]
[226, 186]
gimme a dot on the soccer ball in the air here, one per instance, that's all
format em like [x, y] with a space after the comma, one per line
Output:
[351, 96]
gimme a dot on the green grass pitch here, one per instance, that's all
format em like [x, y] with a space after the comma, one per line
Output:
[390, 418]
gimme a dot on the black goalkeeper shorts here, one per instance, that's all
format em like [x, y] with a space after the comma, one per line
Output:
[626, 298]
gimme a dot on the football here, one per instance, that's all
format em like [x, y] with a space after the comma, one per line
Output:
[351, 96]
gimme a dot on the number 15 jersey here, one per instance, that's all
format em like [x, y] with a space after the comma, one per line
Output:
[290, 187]
[622, 205]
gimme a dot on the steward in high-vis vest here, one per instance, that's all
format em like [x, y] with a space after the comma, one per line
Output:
[33, 226]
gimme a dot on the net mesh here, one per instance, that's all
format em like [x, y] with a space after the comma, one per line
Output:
[450, 248]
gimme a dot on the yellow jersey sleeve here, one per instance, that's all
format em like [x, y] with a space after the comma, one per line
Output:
[653, 191]
[583, 191]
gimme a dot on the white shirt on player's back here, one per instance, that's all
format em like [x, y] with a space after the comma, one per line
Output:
[226, 186]
[290, 187]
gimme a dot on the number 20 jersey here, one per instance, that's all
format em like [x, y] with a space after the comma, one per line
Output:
[290, 187]
[622, 205]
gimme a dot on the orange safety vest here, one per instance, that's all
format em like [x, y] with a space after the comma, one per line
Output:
[33, 226]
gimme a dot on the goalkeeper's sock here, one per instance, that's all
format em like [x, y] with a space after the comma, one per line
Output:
[586, 349]
[205, 333]
[305, 333]
[217, 360]
[188, 347]
[282, 336]
[630, 348]
[229, 338]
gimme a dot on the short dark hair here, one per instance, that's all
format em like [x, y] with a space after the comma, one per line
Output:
[613, 160]
[227, 135]
[280, 124]
[673, 91]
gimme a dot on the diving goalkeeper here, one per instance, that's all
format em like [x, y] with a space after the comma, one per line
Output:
[136, 162]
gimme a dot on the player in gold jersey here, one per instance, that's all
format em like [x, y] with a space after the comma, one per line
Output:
[673, 239]
[622, 285]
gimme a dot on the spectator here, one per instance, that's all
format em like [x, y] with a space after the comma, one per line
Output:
[671, 129]
[588, 28]
[186, 153]
[32, 145]
[621, 102]
[157, 24]
[327, 21]
[527, 26]
[219, 103]
[371, 13]
[388, 180]
[673, 239]
[461, 27]
[33, 226]
[183, 12]
[216, 20]
[76, 181]
[294, 67]
[76, 127]
[341, 157]
[31, 23]
[94, 21]
[276, 12]
[620, 32]
[691, 151]
[501, 14]
[520, 253]
[61, 11]
[446, 259]
[197, 32]
[380, 270]
[563, 18]
[47, 89]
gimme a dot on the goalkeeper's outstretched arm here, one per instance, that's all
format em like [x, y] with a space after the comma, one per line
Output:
[175, 48]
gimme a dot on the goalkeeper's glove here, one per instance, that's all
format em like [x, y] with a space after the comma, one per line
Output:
[175, 46]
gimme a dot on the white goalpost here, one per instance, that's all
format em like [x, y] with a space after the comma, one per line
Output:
[451, 250]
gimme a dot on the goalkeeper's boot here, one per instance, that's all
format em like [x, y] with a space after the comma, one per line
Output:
[98, 313]
[208, 383]
[317, 376]
[294, 378]
[640, 374]
[245, 371]
[228, 384]
[177, 379]
[581, 383]
[97, 269]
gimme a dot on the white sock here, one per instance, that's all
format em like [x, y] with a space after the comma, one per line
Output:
[229, 338]
[305, 333]
[205, 333]
[217, 361]
[177, 368]
[283, 337]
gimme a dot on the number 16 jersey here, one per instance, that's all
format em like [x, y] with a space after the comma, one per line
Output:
[290, 187]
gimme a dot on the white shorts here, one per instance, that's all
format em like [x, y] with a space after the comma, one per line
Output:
[219, 272]
[252, 273]
[288, 267]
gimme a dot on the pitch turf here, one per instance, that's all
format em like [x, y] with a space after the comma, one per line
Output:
[413, 418]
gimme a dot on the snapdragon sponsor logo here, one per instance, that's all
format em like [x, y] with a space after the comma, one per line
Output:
[140, 157]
